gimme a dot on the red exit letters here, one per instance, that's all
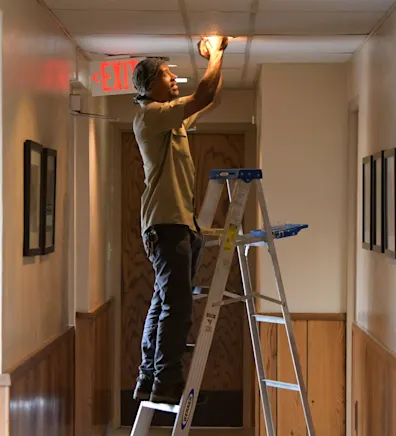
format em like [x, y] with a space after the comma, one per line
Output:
[116, 70]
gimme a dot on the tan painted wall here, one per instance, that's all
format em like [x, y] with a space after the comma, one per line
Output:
[94, 152]
[236, 107]
[38, 61]
[303, 138]
[371, 81]
[35, 106]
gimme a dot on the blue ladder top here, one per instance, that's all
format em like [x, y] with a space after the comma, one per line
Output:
[281, 231]
[245, 174]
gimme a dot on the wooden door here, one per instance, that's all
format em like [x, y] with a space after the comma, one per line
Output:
[223, 376]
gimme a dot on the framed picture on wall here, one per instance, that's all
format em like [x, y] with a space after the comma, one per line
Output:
[48, 198]
[32, 198]
[390, 203]
[367, 203]
[378, 202]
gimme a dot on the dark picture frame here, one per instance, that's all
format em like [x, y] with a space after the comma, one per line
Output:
[378, 202]
[390, 203]
[367, 203]
[32, 203]
[48, 201]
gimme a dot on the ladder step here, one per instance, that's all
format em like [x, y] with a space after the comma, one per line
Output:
[256, 237]
[201, 290]
[212, 232]
[270, 319]
[281, 231]
[170, 408]
[190, 348]
[282, 385]
[245, 174]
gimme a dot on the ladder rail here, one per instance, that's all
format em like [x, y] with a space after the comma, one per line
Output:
[254, 333]
[210, 203]
[285, 309]
[231, 239]
[142, 423]
[208, 324]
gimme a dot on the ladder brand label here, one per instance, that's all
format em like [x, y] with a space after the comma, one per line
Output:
[210, 317]
[187, 409]
[230, 237]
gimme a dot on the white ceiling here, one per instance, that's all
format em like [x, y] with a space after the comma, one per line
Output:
[263, 30]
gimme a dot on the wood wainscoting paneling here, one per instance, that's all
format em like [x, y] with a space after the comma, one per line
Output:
[321, 343]
[373, 386]
[94, 370]
[42, 391]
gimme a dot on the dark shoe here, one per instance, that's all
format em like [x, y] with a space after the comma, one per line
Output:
[144, 385]
[171, 393]
[167, 393]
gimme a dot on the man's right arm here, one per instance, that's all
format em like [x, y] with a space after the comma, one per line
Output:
[207, 88]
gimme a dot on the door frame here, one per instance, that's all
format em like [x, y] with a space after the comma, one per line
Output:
[351, 247]
[252, 160]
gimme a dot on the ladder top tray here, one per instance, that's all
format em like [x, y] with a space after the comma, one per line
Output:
[281, 231]
[245, 174]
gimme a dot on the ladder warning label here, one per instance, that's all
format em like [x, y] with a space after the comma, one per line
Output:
[230, 237]
[187, 409]
[210, 317]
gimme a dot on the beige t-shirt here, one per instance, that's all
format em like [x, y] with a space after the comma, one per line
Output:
[161, 134]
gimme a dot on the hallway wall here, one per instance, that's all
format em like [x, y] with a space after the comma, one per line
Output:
[302, 116]
[94, 150]
[372, 84]
[37, 62]
[301, 112]
[237, 106]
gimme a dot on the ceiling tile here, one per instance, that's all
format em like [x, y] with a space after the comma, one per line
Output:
[316, 23]
[325, 5]
[230, 77]
[235, 45]
[225, 23]
[251, 76]
[126, 5]
[230, 61]
[136, 45]
[269, 45]
[299, 57]
[182, 61]
[125, 22]
[218, 5]
[183, 72]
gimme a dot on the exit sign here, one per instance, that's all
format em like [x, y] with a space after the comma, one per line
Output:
[112, 77]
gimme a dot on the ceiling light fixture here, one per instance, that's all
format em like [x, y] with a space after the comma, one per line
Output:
[181, 80]
[172, 65]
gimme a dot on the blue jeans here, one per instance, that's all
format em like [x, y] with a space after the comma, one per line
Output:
[174, 251]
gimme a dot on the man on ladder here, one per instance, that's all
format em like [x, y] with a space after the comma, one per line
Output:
[169, 228]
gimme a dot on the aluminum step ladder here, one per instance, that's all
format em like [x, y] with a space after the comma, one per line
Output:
[231, 238]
